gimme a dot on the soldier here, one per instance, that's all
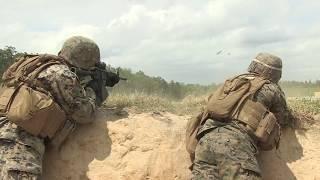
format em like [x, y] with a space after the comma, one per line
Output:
[227, 148]
[59, 102]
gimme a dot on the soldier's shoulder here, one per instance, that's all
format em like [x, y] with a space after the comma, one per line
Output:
[273, 87]
[270, 91]
[58, 70]
[275, 90]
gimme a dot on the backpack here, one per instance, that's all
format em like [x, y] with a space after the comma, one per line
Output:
[25, 102]
[222, 105]
[192, 129]
[224, 102]
[27, 67]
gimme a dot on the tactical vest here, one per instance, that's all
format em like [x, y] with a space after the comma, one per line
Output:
[231, 102]
[24, 100]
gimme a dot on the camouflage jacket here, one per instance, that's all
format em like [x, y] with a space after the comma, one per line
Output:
[64, 86]
[272, 97]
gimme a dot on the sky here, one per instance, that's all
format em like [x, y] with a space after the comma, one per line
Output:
[191, 41]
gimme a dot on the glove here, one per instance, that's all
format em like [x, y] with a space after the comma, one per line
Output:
[101, 92]
[113, 79]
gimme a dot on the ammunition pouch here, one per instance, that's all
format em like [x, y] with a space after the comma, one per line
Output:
[261, 123]
[32, 110]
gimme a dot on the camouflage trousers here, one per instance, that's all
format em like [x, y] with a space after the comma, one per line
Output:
[226, 153]
[20, 153]
[18, 161]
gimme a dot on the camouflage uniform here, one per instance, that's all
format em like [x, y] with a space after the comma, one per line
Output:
[20, 152]
[226, 150]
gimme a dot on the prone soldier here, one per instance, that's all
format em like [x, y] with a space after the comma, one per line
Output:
[242, 117]
[41, 104]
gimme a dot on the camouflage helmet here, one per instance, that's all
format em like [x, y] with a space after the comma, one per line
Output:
[267, 65]
[80, 52]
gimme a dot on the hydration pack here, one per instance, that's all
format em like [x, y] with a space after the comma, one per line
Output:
[25, 102]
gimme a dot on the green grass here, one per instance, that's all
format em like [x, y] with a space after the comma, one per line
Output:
[311, 107]
[140, 102]
[303, 110]
[190, 103]
[145, 103]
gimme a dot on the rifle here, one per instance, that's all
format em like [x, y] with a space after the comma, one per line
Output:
[99, 78]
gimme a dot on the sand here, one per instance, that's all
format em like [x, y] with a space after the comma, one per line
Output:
[124, 145]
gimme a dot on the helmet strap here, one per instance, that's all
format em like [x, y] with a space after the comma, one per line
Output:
[266, 65]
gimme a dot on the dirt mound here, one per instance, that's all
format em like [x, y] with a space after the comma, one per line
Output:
[121, 145]
[297, 158]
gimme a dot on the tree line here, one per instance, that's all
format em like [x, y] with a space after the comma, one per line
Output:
[7, 56]
[139, 82]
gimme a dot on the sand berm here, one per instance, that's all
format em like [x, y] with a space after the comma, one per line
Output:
[126, 145]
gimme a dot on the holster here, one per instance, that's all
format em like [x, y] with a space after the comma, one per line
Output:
[261, 122]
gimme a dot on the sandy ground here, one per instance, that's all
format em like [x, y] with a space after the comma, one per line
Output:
[123, 145]
[297, 158]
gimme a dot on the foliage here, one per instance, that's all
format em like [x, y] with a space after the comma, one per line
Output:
[141, 83]
[142, 102]
[145, 93]
[303, 112]
[303, 109]
[7, 56]
[306, 106]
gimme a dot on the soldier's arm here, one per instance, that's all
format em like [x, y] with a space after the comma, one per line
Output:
[84, 105]
[281, 109]
[78, 103]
